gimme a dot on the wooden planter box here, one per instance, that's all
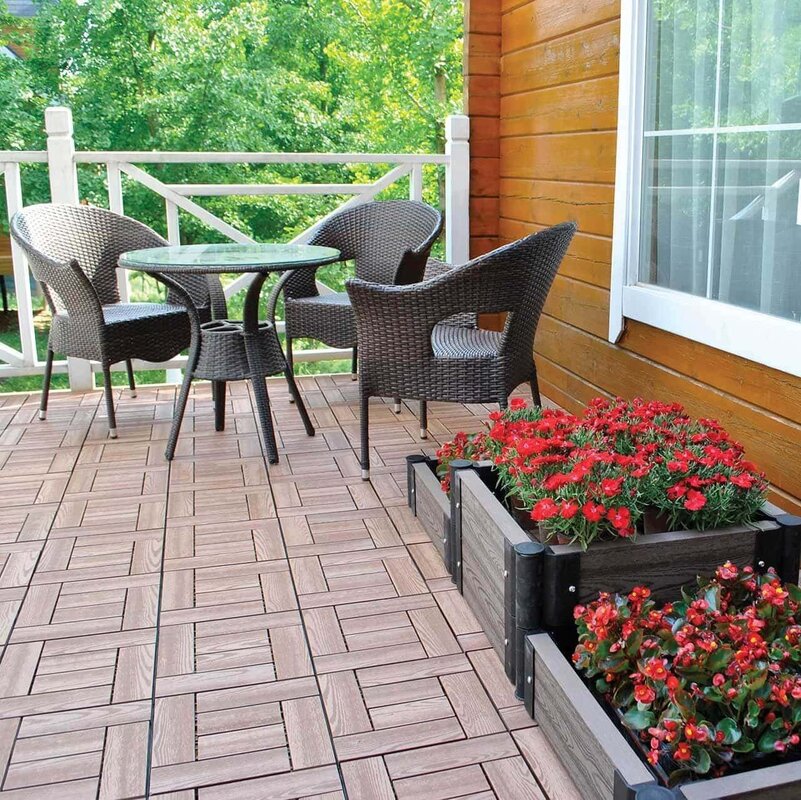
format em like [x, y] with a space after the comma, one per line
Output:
[517, 586]
[427, 500]
[599, 755]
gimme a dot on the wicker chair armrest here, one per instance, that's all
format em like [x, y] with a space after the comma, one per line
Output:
[435, 268]
[74, 291]
[413, 264]
[390, 318]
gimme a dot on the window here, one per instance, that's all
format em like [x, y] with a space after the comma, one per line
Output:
[708, 201]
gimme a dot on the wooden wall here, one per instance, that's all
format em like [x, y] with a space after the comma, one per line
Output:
[557, 114]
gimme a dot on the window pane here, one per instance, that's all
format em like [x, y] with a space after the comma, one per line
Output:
[758, 222]
[761, 63]
[677, 191]
[682, 64]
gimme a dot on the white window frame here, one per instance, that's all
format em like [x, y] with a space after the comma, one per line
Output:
[762, 338]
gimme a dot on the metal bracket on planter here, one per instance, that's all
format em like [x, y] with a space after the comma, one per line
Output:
[791, 563]
[560, 588]
[641, 791]
[769, 550]
[453, 541]
[411, 489]
[528, 572]
[528, 676]
[791, 541]
[509, 610]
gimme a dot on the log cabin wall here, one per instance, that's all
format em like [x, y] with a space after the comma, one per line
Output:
[557, 118]
[482, 80]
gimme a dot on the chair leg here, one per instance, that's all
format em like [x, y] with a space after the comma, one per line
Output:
[423, 419]
[535, 388]
[109, 392]
[398, 407]
[290, 362]
[364, 421]
[48, 374]
[131, 380]
[354, 365]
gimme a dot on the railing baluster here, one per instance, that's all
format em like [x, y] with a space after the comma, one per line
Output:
[173, 223]
[115, 204]
[416, 183]
[22, 281]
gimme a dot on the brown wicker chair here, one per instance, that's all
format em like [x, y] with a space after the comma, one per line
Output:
[388, 241]
[422, 341]
[73, 252]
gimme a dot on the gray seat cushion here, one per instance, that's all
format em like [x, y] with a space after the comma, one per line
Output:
[458, 341]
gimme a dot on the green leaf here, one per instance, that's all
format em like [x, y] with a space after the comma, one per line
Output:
[701, 761]
[712, 597]
[743, 746]
[731, 732]
[767, 741]
[717, 661]
[638, 720]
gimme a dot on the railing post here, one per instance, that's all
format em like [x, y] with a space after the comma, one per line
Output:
[116, 204]
[22, 280]
[64, 189]
[457, 189]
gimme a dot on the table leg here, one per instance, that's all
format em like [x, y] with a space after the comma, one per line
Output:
[298, 400]
[250, 325]
[218, 393]
[191, 363]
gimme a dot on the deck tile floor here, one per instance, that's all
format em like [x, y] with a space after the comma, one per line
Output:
[212, 630]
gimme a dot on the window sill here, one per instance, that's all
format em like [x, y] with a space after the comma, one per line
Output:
[762, 338]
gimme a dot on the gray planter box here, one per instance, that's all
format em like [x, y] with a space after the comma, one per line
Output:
[517, 586]
[599, 756]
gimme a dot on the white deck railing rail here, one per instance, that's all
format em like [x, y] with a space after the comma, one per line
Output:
[62, 159]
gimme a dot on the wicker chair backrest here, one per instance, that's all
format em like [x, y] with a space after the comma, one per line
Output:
[538, 257]
[382, 238]
[54, 235]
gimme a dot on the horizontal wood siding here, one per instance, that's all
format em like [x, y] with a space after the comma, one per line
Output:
[556, 122]
[482, 73]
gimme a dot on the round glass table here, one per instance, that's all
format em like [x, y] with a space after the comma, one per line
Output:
[224, 349]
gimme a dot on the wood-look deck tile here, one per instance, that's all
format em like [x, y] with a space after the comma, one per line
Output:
[281, 630]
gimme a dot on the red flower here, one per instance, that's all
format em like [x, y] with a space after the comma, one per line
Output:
[611, 486]
[743, 480]
[728, 572]
[517, 404]
[619, 517]
[683, 752]
[544, 509]
[656, 669]
[593, 512]
[644, 694]
[695, 501]
[569, 509]
[676, 491]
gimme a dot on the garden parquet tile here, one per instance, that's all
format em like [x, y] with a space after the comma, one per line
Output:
[210, 629]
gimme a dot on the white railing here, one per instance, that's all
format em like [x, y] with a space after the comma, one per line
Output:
[62, 160]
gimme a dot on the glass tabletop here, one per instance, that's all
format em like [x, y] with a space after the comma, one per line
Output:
[206, 258]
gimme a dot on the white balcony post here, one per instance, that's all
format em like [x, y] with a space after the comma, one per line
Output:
[457, 189]
[64, 189]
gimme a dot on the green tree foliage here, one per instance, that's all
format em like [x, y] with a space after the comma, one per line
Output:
[282, 75]
[234, 75]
